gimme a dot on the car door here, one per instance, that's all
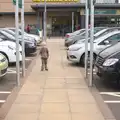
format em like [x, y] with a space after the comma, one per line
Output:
[107, 42]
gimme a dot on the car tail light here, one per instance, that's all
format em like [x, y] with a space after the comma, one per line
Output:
[67, 36]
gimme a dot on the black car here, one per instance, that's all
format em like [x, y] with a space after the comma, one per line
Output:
[107, 64]
[30, 47]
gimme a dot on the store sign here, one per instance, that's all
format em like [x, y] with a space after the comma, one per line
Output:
[102, 12]
[55, 0]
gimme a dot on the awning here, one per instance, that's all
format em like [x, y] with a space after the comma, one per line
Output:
[73, 5]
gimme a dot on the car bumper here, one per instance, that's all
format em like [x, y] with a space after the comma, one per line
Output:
[107, 73]
[30, 50]
[73, 56]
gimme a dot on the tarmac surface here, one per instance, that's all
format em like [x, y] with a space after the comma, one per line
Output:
[9, 81]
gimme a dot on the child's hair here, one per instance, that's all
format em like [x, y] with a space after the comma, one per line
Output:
[43, 43]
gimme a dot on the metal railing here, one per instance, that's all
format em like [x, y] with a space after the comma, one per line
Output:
[103, 1]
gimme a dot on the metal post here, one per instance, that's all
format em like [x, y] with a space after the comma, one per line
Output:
[45, 20]
[23, 43]
[91, 43]
[86, 39]
[72, 21]
[17, 45]
[38, 19]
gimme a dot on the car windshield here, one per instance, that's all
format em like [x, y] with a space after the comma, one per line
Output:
[8, 35]
[20, 31]
[10, 32]
[95, 31]
[81, 31]
[105, 32]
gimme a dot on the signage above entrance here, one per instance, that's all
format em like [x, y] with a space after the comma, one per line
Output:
[56, 1]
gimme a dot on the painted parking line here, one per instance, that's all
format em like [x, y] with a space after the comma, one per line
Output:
[5, 92]
[115, 94]
[27, 59]
[111, 101]
[12, 71]
[14, 68]
[2, 101]
[93, 73]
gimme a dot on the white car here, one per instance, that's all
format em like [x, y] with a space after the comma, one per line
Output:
[20, 37]
[36, 37]
[8, 48]
[76, 52]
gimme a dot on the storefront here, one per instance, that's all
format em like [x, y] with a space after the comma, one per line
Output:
[59, 15]
[105, 17]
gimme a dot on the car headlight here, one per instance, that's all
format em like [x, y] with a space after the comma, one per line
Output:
[10, 47]
[110, 62]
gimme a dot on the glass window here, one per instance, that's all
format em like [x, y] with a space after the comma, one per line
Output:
[114, 37]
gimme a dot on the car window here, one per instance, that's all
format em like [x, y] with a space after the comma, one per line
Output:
[111, 39]
[114, 37]
[102, 34]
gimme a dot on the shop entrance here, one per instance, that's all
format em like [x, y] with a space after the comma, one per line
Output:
[61, 25]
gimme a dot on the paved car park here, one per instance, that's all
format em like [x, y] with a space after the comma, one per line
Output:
[9, 81]
[109, 91]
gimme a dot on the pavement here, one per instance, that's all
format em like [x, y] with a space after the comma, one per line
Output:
[8, 83]
[58, 94]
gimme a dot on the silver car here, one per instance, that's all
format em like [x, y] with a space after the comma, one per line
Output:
[75, 38]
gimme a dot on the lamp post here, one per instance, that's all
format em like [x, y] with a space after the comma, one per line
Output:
[17, 44]
[87, 6]
[45, 12]
[91, 41]
[23, 43]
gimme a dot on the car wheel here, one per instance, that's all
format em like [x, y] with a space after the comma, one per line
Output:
[82, 61]
[5, 56]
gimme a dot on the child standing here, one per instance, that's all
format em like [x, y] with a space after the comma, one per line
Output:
[44, 52]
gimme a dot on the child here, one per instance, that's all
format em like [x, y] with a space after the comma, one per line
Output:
[44, 52]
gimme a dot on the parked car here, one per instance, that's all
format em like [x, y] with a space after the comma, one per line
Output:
[30, 47]
[74, 33]
[99, 34]
[107, 64]
[3, 65]
[81, 36]
[26, 38]
[8, 49]
[76, 52]
[36, 37]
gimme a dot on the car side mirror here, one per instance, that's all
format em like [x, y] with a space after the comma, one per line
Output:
[106, 42]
